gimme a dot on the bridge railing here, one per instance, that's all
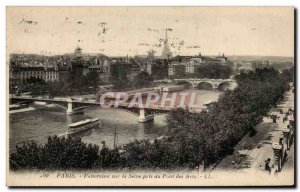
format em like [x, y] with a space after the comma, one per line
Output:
[151, 106]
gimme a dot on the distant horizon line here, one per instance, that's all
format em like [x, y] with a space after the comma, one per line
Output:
[154, 56]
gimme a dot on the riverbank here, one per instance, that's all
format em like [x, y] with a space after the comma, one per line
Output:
[251, 152]
[31, 108]
[197, 139]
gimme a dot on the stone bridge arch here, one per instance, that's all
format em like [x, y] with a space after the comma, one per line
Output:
[186, 84]
[205, 85]
[224, 86]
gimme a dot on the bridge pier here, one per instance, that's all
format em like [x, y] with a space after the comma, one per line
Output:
[71, 111]
[70, 108]
[143, 118]
[194, 85]
[215, 87]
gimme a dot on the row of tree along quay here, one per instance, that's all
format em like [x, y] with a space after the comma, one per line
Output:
[194, 139]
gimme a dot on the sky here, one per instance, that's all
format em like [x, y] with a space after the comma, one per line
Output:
[121, 31]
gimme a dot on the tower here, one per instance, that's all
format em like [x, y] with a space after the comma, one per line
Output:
[151, 55]
[77, 61]
[77, 52]
[166, 53]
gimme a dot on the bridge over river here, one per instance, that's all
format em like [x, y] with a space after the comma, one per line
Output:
[212, 84]
[144, 110]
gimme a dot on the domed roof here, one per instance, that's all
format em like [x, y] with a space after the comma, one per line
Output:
[78, 52]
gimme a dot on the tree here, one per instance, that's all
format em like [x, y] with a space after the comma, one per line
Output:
[56, 154]
[194, 138]
[211, 135]
[118, 76]
[288, 74]
[76, 81]
[92, 78]
[214, 71]
[35, 86]
[56, 88]
[34, 80]
[143, 79]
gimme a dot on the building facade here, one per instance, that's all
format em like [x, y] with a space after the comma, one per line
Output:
[180, 66]
[48, 74]
[123, 68]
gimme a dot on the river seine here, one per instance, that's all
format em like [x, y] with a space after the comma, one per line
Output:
[45, 121]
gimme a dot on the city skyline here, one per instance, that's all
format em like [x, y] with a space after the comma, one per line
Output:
[117, 31]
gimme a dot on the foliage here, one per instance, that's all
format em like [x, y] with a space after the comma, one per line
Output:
[34, 81]
[118, 76]
[92, 78]
[159, 69]
[214, 71]
[237, 112]
[143, 79]
[76, 80]
[195, 139]
[57, 153]
[288, 74]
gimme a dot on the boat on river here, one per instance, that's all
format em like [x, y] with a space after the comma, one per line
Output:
[83, 125]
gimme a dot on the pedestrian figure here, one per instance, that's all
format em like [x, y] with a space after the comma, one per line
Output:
[267, 165]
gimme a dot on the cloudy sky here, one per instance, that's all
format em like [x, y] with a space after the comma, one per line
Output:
[117, 31]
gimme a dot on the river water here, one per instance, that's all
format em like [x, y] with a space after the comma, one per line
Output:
[44, 121]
